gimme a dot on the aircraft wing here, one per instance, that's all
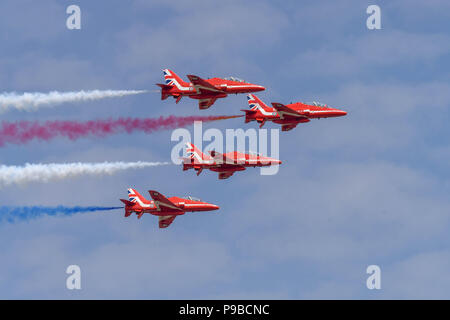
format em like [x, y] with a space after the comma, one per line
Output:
[202, 85]
[287, 127]
[206, 103]
[216, 155]
[285, 111]
[165, 221]
[225, 175]
[162, 202]
[220, 158]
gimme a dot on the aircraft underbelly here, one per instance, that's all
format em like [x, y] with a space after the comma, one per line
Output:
[167, 213]
[291, 120]
[228, 168]
[207, 96]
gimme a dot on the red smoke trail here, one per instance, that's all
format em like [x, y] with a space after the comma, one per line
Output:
[22, 132]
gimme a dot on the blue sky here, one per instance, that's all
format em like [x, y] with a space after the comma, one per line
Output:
[369, 188]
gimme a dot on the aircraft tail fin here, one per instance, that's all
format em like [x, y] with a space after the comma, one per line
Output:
[195, 154]
[254, 103]
[172, 79]
[135, 197]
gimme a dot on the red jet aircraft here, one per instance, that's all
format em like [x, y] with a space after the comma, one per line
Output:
[287, 115]
[225, 164]
[207, 91]
[167, 209]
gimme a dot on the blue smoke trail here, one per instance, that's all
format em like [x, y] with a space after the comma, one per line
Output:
[12, 214]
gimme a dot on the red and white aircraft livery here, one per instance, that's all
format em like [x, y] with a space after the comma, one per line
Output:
[287, 115]
[207, 91]
[225, 164]
[167, 209]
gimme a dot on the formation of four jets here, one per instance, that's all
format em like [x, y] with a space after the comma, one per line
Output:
[207, 91]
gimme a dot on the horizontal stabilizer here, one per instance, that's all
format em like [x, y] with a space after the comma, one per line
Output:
[249, 115]
[164, 86]
[127, 203]
[248, 111]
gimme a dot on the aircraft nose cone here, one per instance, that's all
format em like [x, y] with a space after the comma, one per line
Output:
[271, 161]
[342, 113]
[275, 161]
[214, 207]
[258, 88]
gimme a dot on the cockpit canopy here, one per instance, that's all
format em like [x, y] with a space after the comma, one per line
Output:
[253, 153]
[318, 104]
[192, 198]
[234, 79]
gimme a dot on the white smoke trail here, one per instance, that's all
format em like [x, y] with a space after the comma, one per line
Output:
[57, 171]
[29, 101]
